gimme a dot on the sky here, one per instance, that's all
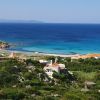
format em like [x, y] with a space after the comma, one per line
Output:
[51, 11]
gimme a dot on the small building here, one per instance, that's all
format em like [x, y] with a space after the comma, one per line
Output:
[87, 84]
[12, 55]
[50, 68]
[43, 61]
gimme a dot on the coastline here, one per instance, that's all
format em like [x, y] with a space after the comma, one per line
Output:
[39, 54]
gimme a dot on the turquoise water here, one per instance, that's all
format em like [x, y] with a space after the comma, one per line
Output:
[53, 38]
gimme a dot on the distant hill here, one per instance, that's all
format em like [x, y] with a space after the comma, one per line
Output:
[19, 21]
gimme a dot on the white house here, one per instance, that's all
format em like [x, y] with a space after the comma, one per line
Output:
[43, 61]
[50, 68]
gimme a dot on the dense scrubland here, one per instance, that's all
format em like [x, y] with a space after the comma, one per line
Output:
[26, 80]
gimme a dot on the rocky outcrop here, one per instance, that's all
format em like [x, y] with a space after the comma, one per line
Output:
[4, 45]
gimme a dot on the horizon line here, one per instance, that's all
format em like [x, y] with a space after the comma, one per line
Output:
[43, 22]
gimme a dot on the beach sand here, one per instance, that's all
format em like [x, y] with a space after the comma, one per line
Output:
[73, 56]
[2, 51]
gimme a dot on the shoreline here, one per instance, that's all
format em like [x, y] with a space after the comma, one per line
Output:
[72, 56]
[38, 53]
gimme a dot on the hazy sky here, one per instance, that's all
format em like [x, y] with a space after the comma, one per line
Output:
[63, 11]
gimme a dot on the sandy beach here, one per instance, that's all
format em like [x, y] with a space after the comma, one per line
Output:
[37, 53]
[25, 53]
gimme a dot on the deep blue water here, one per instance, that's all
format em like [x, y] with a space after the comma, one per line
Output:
[53, 38]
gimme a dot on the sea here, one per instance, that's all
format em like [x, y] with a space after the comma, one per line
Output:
[52, 37]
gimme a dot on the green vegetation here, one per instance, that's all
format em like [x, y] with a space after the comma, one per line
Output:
[27, 80]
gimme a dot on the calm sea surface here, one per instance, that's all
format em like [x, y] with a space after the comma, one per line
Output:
[53, 38]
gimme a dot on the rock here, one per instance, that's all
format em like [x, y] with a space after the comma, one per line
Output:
[4, 45]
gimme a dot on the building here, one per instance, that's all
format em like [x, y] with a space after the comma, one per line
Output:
[50, 68]
[43, 61]
[12, 55]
